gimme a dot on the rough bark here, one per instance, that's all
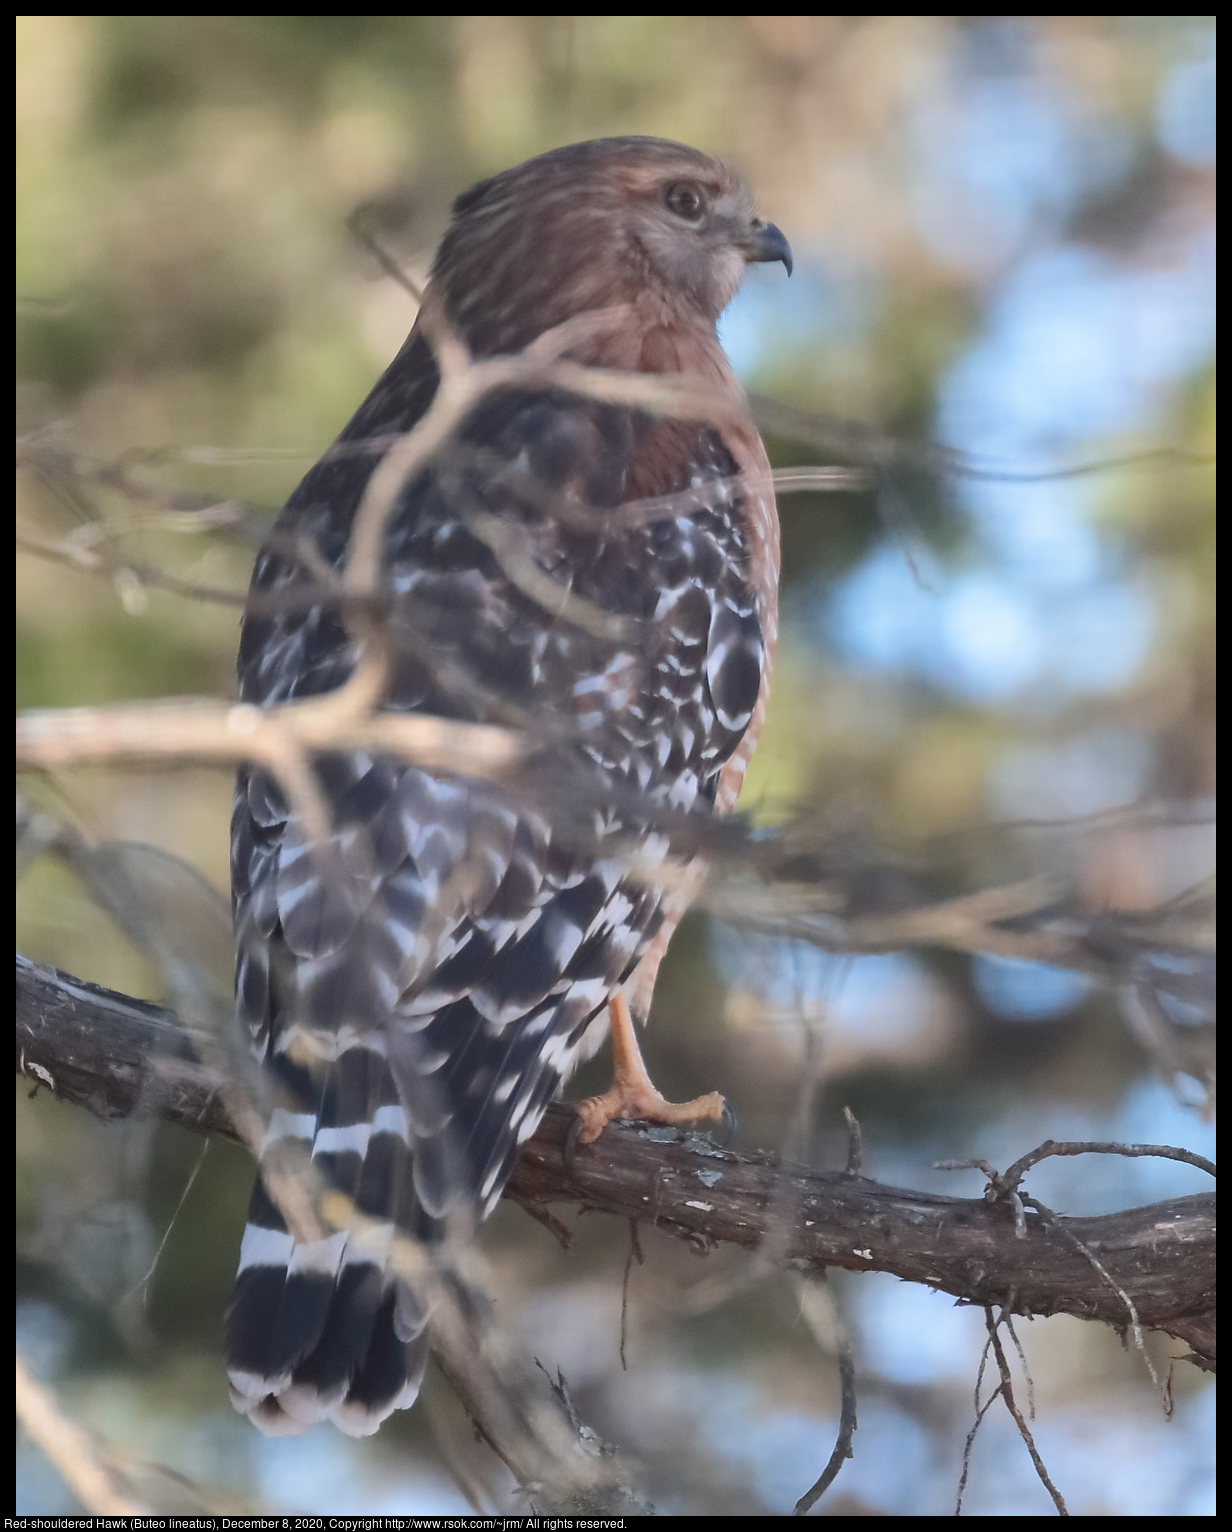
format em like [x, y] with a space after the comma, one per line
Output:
[117, 1056]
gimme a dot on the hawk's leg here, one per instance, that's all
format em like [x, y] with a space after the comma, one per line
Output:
[632, 1092]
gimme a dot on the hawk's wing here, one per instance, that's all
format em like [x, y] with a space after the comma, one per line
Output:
[421, 986]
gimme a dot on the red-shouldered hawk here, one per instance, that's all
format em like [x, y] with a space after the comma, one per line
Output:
[418, 1010]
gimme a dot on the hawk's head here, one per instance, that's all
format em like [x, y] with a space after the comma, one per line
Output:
[613, 221]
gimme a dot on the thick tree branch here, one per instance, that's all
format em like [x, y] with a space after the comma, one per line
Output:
[118, 1056]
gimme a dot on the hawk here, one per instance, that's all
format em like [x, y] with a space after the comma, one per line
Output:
[418, 1008]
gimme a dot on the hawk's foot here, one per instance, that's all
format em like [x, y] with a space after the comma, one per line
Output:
[641, 1100]
[633, 1093]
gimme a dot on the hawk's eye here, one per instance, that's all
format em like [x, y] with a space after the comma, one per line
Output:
[686, 201]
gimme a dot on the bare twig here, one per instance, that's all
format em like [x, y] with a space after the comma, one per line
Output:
[1131, 1310]
[980, 1411]
[1007, 1320]
[855, 1144]
[1051, 1147]
[843, 1448]
[995, 1191]
[1007, 1393]
[635, 1252]
[142, 1285]
[359, 226]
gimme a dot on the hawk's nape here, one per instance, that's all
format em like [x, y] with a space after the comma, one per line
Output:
[420, 985]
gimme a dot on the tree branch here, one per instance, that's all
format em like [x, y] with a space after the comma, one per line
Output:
[118, 1056]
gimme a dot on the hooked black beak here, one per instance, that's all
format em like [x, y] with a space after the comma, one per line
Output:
[766, 242]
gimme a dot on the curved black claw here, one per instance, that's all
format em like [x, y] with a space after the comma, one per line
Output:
[728, 1134]
[569, 1152]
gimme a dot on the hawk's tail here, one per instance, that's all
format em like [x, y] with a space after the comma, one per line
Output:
[325, 1330]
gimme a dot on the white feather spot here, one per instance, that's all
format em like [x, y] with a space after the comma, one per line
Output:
[588, 993]
[265, 1247]
[563, 940]
[391, 1119]
[351, 1140]
[321, 1257]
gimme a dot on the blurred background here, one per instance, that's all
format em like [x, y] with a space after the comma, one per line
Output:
[1004, 240]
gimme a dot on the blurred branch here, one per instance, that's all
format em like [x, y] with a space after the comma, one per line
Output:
[280, 739]
[360, 225]
[118, 1056]
[880, 449]
[72, 552]
[96, 545]
[1035, 919]
[970, 923]
[81, 1461]
[202, 729]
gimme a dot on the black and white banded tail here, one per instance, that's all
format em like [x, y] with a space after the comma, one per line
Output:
[325, 1330]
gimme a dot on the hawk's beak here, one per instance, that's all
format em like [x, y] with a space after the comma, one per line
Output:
[765, 242]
